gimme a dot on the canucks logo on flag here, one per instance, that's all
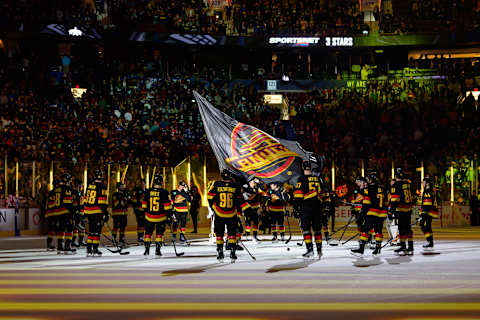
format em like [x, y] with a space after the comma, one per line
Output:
[248, 151]
[257, 153]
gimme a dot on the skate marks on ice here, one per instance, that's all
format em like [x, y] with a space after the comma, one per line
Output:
[304, 263]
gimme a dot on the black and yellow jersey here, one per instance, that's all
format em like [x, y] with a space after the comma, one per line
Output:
[120, 203]
[60, 201]
[308, 190]
[374, 201]
[357, 199]
[156, 204]
[401, 196]
[429, 203]
[95, 198]
[225, 199]
[76, 202]
[253, 196]
[277, 200]
[137, 199]
[179, 199]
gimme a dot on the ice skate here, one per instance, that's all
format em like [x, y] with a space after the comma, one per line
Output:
[220, 255]
[428, 246]
[233, 256]
[89, 251]
[359, 251]
[402, 251]
[377, 251]
[309, 253]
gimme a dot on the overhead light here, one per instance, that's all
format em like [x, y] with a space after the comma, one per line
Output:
[285, 78]
[365, 32]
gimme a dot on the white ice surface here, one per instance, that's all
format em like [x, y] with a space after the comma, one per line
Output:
[455, 256]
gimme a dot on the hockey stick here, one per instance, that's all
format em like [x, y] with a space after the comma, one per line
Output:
[349, 239]
[344, 230]
[114, 241]
[289, 231]
[246, 249]
[178, 254]
[416, 221]
[343, 233]
[388, 242]
[303, 240]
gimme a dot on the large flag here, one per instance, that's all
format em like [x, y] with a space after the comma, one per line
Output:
[247, 151]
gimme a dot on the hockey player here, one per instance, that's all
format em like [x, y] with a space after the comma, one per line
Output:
[374, 207]
[225, 199]
[194, 207]
[158, 208]
[428, 211]
[78, 216]
[306, 201]
[61, 207]
[180, 196]
[252, 194]
[52, 221]
[121, 199]
[357, 200]
[401, 205]
[136, 201]
[326, 204]
[95, 209]
[277, 199]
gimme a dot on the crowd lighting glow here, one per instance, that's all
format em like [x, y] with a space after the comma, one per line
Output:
[475, 93]
[78, 92]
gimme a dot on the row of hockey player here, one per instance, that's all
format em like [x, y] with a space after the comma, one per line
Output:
[372, 204]
[229, 201]
[67, 210]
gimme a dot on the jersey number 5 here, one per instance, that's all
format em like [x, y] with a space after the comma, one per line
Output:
[154, 204]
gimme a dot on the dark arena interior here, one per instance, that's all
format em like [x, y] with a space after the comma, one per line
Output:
[239, 159]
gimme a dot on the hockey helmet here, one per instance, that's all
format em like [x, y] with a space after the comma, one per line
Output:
[306, 165]
[66, 178]
[56, 183]
[157, 179]
[98, 175]
[399, 173]
[372, 176]
[427, 181]
[226, 175]
[182, 184]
